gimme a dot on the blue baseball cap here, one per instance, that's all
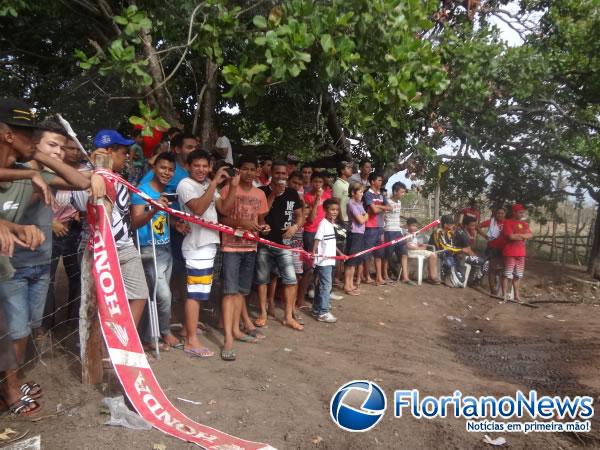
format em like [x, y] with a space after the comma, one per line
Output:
[107, 138]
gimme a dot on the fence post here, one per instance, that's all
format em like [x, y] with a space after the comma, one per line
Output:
[90, 336]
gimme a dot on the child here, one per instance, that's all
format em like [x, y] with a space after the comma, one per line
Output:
[393, 230]
[415, 249]
[376, 205]
[325, 247]
[443, 240]
[515, 232]
[494, 246]
[356, 241]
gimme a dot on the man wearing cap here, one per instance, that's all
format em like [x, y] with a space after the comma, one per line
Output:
[515, 232]
[130, 261]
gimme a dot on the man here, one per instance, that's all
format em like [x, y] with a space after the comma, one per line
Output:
[307, 171]
[224, 150]
[244, 207]
[340, 189]
[376, 206]
[362, 177]
[264, 176]
[197, 195]
[16, 129]
[153, 230]
[118, 209]
[284, 219]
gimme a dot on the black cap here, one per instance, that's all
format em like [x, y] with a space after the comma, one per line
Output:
[16, 113]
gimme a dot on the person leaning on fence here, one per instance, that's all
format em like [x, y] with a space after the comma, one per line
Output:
[393, 230]
[243, 207]
[515, 232]
[416, 249]
[116, 149]
[153, 230]
[495, 242]
[197, 194]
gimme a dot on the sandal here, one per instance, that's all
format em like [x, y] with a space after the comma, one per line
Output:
[247, 338]
[260, 322]
[294, 325]
[228, 355]
[31, 389]
[256, 334]
[25, 407]
[297, 317]
[409, 282]
[353, 292]
[200, 352]
[435, 282]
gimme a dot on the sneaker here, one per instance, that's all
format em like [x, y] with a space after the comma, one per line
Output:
[327, 317]
[311, 294]
[334, 296]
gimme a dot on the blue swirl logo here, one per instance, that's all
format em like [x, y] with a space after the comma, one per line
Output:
[358, 406]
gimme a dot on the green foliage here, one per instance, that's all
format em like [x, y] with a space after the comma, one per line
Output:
[149, 120]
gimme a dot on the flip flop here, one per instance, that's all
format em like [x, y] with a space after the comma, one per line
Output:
[256, 334]
[228, 355]
[248, 339]
[199, 352]
[353, 292]
[178, 346]
[32, 389]
[260, 322]
[18, 408]
[305, 308]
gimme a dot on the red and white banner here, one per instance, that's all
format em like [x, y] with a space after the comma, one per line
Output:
[127, 354]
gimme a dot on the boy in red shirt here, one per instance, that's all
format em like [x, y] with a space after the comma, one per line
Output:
[515, 232]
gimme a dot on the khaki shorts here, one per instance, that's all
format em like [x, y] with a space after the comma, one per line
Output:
[132, 270]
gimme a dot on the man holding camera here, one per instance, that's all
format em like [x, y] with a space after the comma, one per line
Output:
[152, 227]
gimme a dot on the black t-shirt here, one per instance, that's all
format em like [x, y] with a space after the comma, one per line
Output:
[461, 238]
[281, 214]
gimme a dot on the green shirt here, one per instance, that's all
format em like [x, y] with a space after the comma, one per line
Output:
[340, 191]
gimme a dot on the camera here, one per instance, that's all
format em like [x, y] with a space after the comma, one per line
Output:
[231, 171]
[170, 196]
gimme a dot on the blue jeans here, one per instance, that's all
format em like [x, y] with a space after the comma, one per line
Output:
[282, 259]
[23, 298]
[321, 302]
[237, 272]
[163, 290]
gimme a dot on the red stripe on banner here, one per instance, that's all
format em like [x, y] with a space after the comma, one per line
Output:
[111, 176]
[128, 357]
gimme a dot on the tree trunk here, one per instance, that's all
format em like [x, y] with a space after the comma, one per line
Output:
[335, 127]
[207, 106]
[594, 261]
[158, 94]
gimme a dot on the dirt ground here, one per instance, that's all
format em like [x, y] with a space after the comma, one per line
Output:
[278, 391]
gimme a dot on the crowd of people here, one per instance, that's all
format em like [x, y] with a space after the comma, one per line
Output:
[47, 182]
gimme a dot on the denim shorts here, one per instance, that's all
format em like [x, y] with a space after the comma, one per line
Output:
[23, 298]
[269, 257]
[399, 248]
[237, 272]
[373, 238]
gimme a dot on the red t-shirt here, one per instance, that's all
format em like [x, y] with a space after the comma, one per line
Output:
[514, 248]
[498, 242]
[309, 199]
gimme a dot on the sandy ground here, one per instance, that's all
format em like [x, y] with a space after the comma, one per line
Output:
[279, 391]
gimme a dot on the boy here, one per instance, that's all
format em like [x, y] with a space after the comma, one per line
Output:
[515, 232]
[197, 195]
[153, 228]
[324, 248]
[376, 205]
[244, 207]
[393, 230]
[415, 249]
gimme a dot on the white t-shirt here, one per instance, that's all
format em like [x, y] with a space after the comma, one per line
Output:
[392, 217]
[199, 236]
[223, 142]
[326, 236]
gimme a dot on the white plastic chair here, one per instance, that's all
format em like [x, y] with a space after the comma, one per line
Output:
[420, 262]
